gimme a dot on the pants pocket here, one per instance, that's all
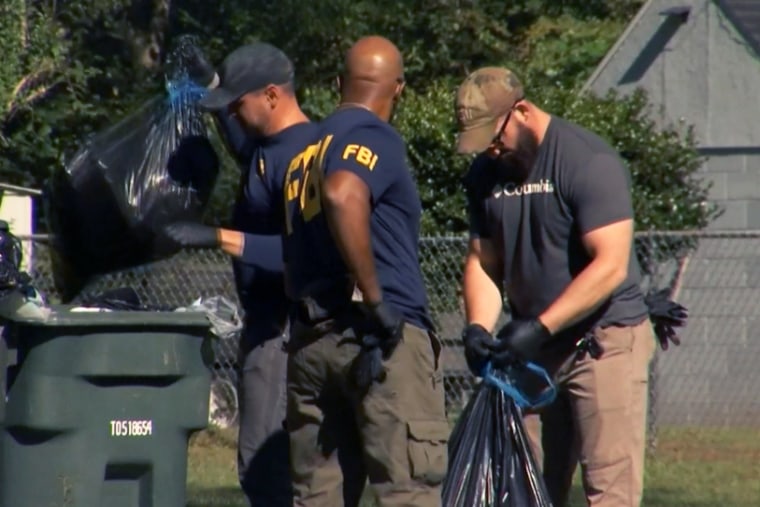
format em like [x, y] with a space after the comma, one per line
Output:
[428, 450]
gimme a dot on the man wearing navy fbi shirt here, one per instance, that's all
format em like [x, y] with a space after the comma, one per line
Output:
[254, 101]
[365, 388]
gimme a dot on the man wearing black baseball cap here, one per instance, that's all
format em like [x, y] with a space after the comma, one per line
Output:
[250, 70]
[253, 98]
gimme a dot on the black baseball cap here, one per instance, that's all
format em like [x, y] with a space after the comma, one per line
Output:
[248, 68]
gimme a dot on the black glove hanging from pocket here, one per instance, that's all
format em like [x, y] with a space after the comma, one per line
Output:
[381, 329]
[665, 315]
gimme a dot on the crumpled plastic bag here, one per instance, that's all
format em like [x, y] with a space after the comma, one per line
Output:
[490, 460]
[223, 314]
[18, 298]
[108, 205]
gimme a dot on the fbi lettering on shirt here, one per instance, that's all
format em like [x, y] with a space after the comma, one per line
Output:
[361, 154]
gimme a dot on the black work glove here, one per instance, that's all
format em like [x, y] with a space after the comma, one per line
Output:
[199, 69]
[519, 340]
[477, 347]
[191, 234]
[665, 315]
[386, 323]
[368, 365]
[381, 332]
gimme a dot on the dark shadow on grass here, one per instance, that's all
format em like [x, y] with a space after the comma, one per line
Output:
[215, 497]
[666, 497]
[653, 497]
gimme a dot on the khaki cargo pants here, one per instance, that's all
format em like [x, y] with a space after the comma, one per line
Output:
[396, 435]
[599, 419]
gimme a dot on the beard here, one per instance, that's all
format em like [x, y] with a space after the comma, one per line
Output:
[517, 164]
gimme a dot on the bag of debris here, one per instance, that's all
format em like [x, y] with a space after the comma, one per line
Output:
[108, 205]
[490, 460]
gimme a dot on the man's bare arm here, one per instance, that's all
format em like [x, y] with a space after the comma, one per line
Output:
[482, 284]
[346, 199]
[610, 248]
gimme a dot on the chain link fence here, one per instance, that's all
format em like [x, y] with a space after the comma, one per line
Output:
[710, 380]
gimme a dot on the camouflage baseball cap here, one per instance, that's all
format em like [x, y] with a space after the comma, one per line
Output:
[485, 95]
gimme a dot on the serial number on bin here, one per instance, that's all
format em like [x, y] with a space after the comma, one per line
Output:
[131, 428]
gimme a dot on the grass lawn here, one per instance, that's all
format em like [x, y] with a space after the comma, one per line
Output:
[691, 467]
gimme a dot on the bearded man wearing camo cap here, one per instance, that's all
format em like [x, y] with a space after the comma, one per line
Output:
[551, 230]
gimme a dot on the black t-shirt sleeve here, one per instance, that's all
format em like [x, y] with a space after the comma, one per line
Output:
[374, 154]
[476, 200]
[600, 193]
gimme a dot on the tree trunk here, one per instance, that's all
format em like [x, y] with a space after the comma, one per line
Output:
[148, 22]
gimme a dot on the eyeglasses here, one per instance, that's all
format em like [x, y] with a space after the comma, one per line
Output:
[496, 146]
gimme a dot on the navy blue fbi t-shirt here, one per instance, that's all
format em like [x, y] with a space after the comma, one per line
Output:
[258, 212]
[356, 140]
[577, 184]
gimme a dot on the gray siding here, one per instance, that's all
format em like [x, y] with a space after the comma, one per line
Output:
[701, 72]
[735, 179]
[713, 378]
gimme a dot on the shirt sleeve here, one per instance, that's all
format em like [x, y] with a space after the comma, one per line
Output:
[263, 251]
[600, 193]
[374, 154]
[238, 143]
[475, 204]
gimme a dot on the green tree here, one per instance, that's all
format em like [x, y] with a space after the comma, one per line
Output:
[37, 67]
[563, 51]
[76, 67]
[71, 68]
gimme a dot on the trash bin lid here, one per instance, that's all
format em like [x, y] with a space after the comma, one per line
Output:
[71, 315]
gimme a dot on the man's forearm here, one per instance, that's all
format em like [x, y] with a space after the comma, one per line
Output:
[349, 220]
[482, 296]
[594, 285]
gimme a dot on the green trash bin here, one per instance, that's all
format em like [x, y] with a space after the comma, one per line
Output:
[100, 407]
[4, 363]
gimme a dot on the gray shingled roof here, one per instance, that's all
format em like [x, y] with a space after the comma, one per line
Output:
[745, 15]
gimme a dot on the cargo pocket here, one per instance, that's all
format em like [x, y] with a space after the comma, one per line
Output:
[428, 450]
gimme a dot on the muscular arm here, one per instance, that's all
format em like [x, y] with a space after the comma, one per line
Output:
[347, 207]
[482, 288]
[609, 247]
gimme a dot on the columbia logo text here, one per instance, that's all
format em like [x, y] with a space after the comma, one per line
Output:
[512, 189]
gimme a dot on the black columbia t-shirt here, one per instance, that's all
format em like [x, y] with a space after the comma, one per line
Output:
[577, 184]
[356, 140]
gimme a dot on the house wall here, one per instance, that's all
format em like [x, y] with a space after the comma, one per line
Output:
[704, 74]
[713, 378]
[735, 178]
[701, 73]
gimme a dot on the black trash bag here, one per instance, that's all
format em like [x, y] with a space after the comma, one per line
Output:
[490, 460]
[107, 207]
[120, 298]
